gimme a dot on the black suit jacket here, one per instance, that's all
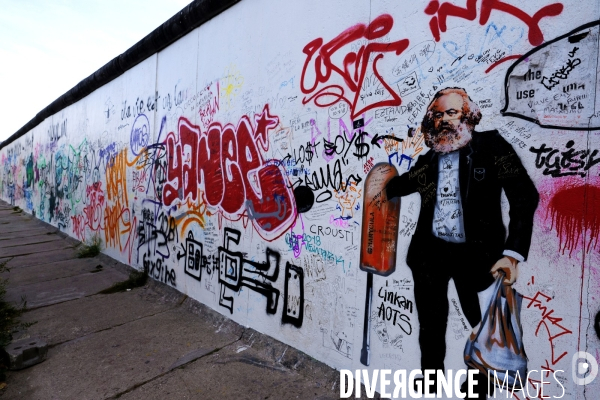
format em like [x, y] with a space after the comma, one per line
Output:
[487, 165]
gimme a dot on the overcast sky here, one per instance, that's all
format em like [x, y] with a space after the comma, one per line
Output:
[48, 46]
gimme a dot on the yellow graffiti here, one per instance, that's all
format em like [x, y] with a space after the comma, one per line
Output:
[195, 212]
[116, 178]
[231, 86]
[116, 213]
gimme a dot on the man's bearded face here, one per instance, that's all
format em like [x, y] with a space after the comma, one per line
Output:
[450, 132]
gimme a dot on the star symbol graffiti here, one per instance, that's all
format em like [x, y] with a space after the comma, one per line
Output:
[264, 121]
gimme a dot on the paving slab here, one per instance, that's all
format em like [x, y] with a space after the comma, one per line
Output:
[29, 239]
[32, 232]
[17, 225]
[11, 211]
[33, 248]
[113, 361]
[14, 213]
[10, 218]
[25, 353]
[64, 289]
[255, 367]
[74, 319]
[255, 377]
[151, 342]
[51, 271]
[42, 258]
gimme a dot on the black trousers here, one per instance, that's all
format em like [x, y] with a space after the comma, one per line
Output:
[469, 267]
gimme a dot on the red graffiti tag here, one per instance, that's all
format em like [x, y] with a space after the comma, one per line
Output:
[237, 181]
[575, 215]
[353, 69]
[444, 10]
[209, 104]
[78, 226]
[94, 207]
[550, 322]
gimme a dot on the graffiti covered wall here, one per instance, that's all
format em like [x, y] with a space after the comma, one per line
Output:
[350, 179]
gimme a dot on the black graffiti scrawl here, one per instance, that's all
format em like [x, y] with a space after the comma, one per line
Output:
[236, 271]
[554, 85]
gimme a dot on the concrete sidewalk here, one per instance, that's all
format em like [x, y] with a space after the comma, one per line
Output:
[148, 343]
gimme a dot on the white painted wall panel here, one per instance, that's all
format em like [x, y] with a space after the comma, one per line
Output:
[189, 164]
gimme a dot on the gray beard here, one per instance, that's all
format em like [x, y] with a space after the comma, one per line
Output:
[449, 140]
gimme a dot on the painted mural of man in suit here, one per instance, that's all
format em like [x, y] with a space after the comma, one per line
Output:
[460, 233]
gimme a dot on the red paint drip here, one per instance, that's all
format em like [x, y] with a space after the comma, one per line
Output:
[575, 215]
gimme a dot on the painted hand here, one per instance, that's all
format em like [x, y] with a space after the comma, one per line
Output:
[508, 265]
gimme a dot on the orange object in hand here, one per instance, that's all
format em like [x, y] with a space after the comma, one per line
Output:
[378, 239]
[379, 223]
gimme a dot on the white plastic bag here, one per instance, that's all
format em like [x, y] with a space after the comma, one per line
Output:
[497, 346]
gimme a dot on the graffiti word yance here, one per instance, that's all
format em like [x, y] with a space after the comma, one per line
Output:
[237, 181]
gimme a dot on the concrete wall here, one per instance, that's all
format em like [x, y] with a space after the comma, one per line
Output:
[234, 166]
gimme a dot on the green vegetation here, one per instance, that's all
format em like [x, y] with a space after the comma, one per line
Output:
[136, 279]
[90, 249]
[9, 317]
